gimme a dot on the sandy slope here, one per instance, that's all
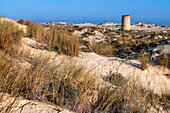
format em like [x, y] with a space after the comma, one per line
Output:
[29, 106]
[153, 78]
[21, 27]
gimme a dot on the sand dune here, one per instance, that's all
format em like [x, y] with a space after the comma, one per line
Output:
[153, 78]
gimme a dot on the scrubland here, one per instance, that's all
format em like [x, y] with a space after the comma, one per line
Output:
[67, 82]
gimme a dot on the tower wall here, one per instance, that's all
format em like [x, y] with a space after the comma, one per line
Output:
[126, 23]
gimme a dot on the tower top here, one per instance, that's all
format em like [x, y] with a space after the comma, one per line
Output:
[125, 15]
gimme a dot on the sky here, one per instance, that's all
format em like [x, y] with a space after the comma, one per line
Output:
[94, 11]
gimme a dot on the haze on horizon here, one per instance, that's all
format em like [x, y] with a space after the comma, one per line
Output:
[94, 11]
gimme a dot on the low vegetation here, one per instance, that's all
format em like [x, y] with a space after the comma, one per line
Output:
[144, 64]
[57, 39]
[65, 83]
[100, 48]
[62, 84]
[164, 60]
[10, 35]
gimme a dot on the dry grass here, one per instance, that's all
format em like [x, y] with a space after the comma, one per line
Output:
[57, 40]
[129, 98]
[144, 61]
[67, 83]
[100, 48]
[9, 35]
[92, 45]
[124, 40]
[65, 43]
[38, 32]
[104, 49]
[164, 60]
[63, 84]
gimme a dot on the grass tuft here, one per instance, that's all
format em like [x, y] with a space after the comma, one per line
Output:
[10, 35]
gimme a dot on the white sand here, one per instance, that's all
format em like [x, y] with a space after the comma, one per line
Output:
[153, 78]
[30, 106]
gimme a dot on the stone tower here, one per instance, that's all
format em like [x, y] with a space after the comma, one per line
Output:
[126, 23]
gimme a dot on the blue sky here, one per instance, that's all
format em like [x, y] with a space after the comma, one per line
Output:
[149, 11]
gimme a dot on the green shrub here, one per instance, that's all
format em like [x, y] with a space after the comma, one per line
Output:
[116, 79]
